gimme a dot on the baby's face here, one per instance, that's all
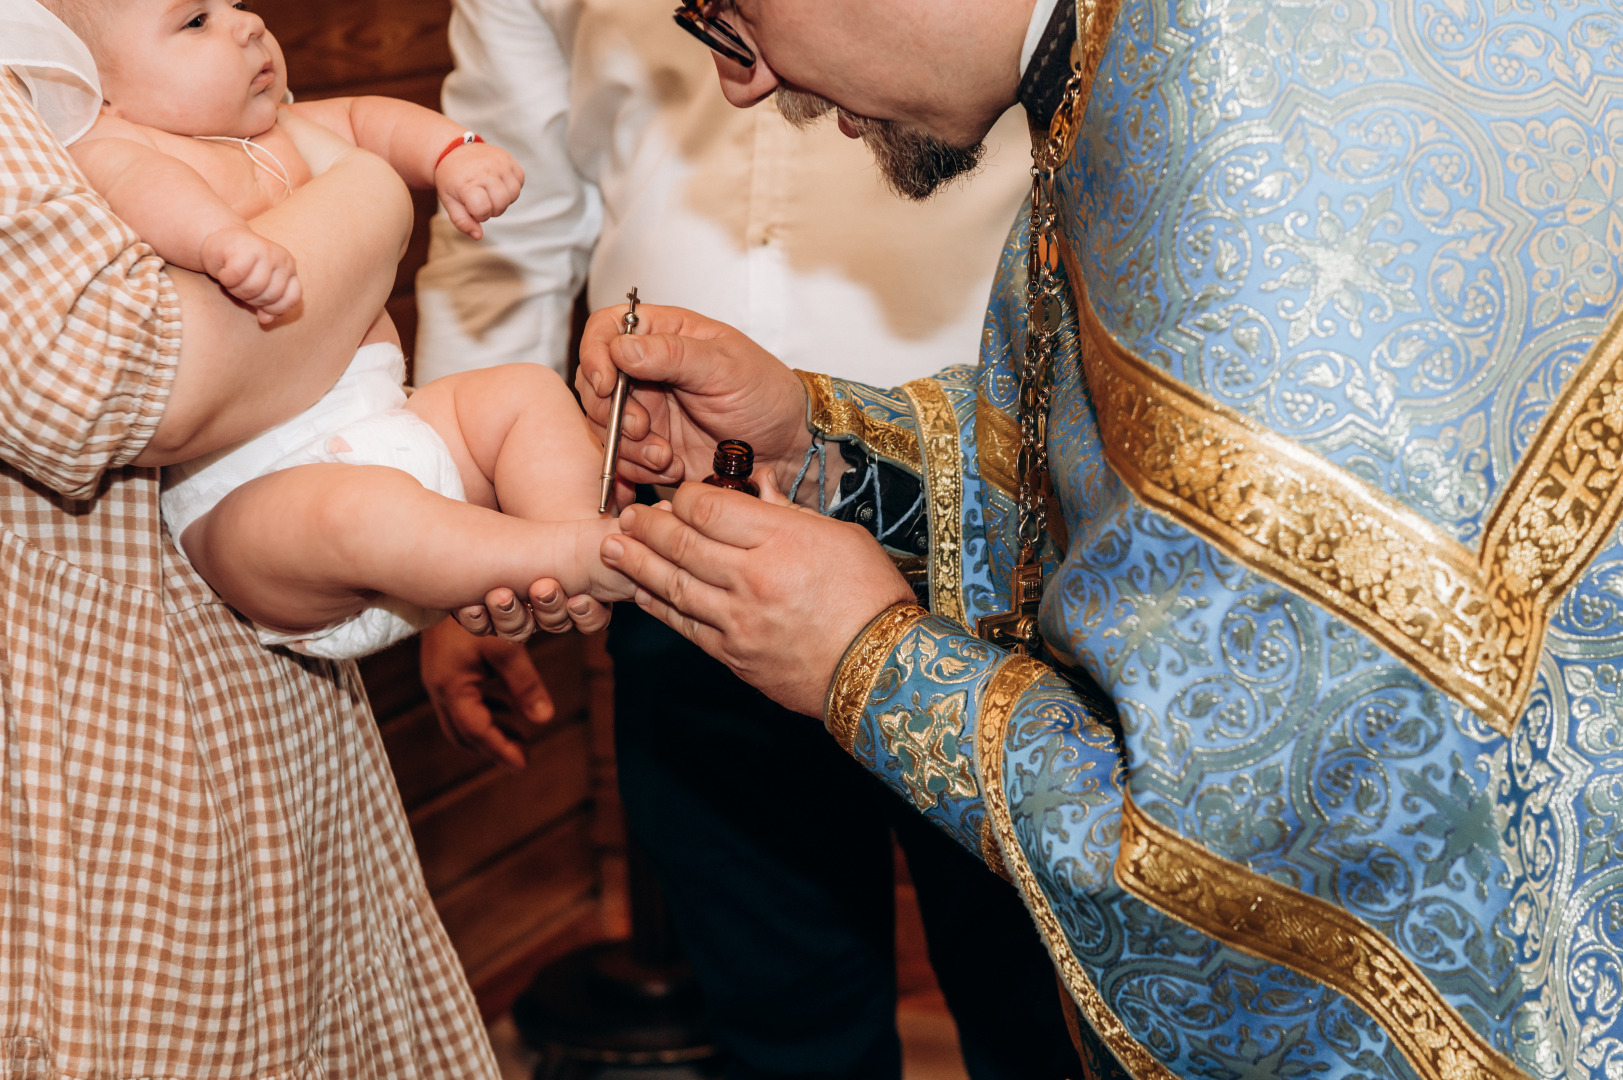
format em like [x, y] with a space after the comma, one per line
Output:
[191, 67]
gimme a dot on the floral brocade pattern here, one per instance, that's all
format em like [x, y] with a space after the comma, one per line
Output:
[916, 726]
[1390, 237]
[1327, 219]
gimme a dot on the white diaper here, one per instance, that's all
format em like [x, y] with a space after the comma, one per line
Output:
[360, 421]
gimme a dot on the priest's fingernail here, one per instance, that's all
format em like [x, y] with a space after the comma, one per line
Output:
[549, 598]
[580, 605]
[612, 550]
[507, 605]
[630, 348]
[643, 598]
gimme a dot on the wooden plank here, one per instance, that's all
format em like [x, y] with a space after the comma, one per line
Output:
[421, 90]
[333, 45]
[492, 812]
[519, 894]
[392, 685]
[500, 980]
[425, 762]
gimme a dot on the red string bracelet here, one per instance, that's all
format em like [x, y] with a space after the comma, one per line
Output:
[461, 140]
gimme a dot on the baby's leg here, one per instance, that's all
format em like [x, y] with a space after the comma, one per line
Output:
[519, 440]
[306, 547]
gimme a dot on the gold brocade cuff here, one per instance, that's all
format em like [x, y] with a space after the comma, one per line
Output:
[1013, 677]
[835, 418]
[819, 391]
[859, 669]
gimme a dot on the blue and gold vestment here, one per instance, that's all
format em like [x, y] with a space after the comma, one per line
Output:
[1337, 432]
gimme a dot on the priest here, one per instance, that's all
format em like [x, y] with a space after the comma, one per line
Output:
[1270, 636]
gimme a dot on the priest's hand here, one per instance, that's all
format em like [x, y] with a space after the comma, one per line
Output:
[772, 591]
[695, 382]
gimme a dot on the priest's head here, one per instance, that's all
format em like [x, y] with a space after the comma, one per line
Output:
[919, 81]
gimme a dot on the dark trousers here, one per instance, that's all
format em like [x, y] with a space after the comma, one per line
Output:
[773, 848]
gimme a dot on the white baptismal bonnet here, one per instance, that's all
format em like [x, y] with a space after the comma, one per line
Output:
[54, 66]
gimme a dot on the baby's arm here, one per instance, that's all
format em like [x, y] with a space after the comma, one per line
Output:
[172, 208]
[475, 182]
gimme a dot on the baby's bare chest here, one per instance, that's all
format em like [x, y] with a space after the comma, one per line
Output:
[251, 176]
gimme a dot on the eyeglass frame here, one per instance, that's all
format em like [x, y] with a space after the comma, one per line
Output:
[714, 32]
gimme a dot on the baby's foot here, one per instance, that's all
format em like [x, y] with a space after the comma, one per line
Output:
[605, 585]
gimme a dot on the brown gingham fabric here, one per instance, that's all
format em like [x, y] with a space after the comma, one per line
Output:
[205, 870]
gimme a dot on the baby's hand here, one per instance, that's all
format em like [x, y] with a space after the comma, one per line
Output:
[477, 182]
[257, 271]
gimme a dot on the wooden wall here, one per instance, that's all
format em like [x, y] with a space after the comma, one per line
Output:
[393, 47]
[513, 860]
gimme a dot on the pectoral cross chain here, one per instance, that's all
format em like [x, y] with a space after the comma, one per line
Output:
[1016, 629]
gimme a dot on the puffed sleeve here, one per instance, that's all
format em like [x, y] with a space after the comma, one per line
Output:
[89, 323]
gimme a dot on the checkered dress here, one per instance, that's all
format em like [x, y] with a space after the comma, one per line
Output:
[205, 870]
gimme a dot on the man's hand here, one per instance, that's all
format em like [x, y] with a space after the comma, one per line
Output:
[504, 616]
[259, 272]
[774, 592]
[695, 382]
[477, 182]
[454, 664]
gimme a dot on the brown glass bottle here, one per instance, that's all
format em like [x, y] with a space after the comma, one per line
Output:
[735, 460]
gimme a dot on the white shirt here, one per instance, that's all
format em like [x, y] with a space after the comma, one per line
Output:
[639, 171]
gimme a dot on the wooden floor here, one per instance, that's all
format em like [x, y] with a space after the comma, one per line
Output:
[929, 1038]
[929, 1046]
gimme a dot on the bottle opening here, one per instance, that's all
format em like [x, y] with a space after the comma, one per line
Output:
[734, 457]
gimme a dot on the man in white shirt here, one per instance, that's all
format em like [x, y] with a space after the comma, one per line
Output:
[640, 172]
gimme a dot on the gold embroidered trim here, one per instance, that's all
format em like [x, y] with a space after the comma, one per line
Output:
[1562, 504]
[944, 487]
[1259, 916]
[991, 854]
[997, 446]
[1012, 679]
[1284, 511]
[1002, 691]
[1472, 624]
[835, 418]
[859, 669]
[1094, 19]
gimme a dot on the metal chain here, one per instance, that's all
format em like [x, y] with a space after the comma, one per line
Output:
[1017, 629]
[1045, 291]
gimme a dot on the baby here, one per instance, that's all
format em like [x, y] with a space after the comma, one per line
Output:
[360, 520]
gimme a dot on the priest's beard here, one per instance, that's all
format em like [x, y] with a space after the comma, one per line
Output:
[913, 163]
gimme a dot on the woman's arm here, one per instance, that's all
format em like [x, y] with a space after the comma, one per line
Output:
[347, 229]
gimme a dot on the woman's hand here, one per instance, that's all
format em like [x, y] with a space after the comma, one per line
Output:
[503, 615]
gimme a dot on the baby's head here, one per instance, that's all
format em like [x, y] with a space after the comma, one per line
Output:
[190, 67]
